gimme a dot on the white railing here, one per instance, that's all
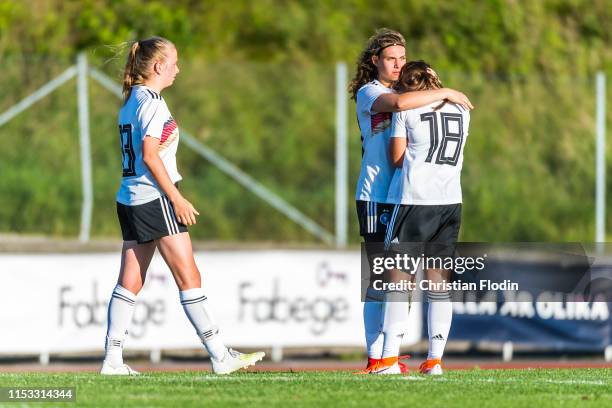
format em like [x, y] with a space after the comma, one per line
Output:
[81, 70]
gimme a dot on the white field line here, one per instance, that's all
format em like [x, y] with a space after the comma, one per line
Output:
[254, 378]
[360, 378]
[578, 382]
[520, 380]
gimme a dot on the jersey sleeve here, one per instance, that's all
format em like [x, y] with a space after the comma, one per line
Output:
[398, 124]
[151, 118]
[366, 97]
[466, 122]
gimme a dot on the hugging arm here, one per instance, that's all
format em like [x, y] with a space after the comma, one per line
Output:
[393, 102]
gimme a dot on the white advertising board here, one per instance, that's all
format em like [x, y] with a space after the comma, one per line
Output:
[260, 298]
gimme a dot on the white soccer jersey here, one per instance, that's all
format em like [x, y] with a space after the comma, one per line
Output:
[431, 174]
[145, 113]
[376, 170]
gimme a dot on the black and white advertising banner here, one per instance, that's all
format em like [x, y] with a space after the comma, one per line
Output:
[58, 303]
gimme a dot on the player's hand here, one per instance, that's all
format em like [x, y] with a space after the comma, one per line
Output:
[185, 212]
[458, 98]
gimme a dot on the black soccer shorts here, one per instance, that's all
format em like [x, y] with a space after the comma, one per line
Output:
[150, 221]
[433, 229]
[373, 220]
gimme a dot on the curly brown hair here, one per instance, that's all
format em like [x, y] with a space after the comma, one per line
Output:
[366, 70]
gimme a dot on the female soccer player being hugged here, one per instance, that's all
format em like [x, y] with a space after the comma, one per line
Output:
[378, 68]
[153, 213]
[427, 147]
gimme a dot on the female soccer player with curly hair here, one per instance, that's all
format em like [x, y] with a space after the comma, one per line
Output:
[378, 68]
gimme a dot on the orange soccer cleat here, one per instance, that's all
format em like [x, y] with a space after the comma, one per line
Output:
[389, 365]
[431, 367]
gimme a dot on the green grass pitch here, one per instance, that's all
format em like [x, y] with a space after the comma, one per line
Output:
[470, 388]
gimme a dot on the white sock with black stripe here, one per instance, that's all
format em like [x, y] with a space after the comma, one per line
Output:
[194, 304]
[120, 311]
[439, 318]
[372, 322]
[395, 322]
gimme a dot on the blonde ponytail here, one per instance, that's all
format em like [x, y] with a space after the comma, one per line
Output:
[143, 54]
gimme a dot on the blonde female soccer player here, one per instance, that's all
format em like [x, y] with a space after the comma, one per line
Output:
[378, 68]
[153, 213]
[427, 146]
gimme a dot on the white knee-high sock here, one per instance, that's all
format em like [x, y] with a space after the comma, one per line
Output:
[195, 306]
[373, 321]
[395, 321]
[439, 318]
[120, 311]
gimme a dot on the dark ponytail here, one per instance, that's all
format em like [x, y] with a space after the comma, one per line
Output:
[417, 76]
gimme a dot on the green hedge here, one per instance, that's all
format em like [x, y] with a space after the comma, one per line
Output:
[258, 87]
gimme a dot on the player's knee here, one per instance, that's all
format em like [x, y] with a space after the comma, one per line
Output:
[132, 285]
[188, 280]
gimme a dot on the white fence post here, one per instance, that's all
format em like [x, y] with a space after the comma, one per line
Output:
[277, 353]
[507, 351]
[44, 358]
[341, 156]
[600, 166]
[86, 173]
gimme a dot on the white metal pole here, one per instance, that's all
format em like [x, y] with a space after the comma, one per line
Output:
[341, 156]
[600, 166]
[37, 95]
[86, 174]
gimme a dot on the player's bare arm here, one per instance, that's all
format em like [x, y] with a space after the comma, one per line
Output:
[185, 212]
[397, 148]
[392, 102]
